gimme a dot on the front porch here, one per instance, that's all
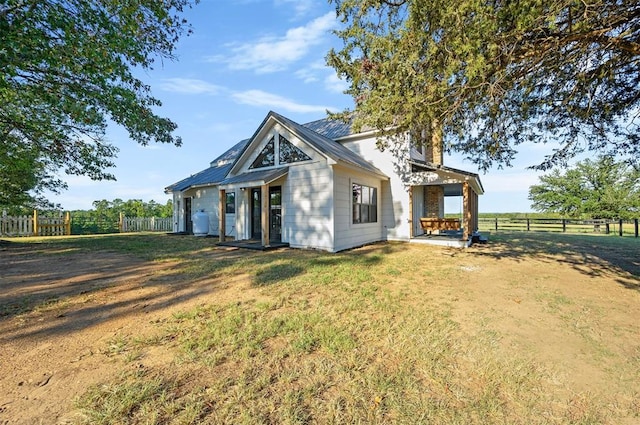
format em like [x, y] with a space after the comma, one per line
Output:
[430, 185]
[453, 239]
[255, 244]
[258, 218]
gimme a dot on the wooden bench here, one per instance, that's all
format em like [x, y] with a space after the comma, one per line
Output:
[432, 224]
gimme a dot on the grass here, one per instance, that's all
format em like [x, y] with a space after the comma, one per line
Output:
[366, 336]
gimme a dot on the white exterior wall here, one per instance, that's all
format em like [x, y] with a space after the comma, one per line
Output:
[394, 211]
[177, 211]
[347, 233]
[418, 209]
[204, 198]
[307, 206]
[307, 196]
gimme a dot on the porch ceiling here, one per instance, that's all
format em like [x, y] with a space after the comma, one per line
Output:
[424, 173]
[452, 189]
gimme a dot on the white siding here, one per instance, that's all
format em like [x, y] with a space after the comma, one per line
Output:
[178, 212]
[307, 206]
[418, 209]
[347, 233]
[206, 198]
[395, 194]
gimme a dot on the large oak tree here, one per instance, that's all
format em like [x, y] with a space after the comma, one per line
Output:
[601, 188]
[494, 74]
[67, 69]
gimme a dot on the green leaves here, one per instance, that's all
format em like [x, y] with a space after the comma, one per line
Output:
[497, 74]
[66, 70]
[602, 188]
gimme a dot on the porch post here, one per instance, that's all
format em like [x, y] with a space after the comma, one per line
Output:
[411, 231]
[476, 226]
[264, 220]
[466, 211]
[222, 215]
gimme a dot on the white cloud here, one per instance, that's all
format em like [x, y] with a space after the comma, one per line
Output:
[335, 84]
[310, 73]
[189, 86]
[271, 53]
[300, 7]
[273, 101]
[317, 71]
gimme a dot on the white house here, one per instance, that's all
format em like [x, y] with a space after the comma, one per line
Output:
[319, 185]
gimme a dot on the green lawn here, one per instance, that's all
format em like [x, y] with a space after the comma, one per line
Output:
[390, 333]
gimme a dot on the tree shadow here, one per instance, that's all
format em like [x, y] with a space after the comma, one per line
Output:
[63, 287]
[591, 255]
[58, 288]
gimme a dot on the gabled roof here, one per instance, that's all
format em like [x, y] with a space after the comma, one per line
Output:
[213, 175]
[327, 146]
[320, 134]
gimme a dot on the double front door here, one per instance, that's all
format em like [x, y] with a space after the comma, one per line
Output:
[275, 213]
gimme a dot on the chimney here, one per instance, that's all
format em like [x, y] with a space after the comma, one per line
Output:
[434, 151]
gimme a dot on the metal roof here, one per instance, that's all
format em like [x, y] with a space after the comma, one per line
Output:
[320, 134]
[332, 129]
[212, 175]
[329, 147]
[264, 176]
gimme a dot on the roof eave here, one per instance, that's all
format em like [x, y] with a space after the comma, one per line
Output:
[435, 168]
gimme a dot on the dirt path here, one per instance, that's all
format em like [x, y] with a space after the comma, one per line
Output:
[60, 314]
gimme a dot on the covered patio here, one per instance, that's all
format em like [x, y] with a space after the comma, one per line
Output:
[430, 184]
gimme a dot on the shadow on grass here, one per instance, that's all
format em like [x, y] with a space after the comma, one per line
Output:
[287, 264]
[80, 282]
[592, 255]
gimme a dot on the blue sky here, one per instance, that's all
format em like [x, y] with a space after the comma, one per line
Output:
[244, 58]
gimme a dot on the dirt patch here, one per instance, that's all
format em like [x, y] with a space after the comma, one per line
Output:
[63, 313]
[60, 314]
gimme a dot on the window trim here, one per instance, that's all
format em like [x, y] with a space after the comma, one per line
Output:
[228, 204]
[371, 208]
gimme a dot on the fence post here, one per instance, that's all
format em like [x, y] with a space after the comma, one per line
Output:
[496, 224]
[67, 223]
[528, 227]
[121, 223]
[35, 222]
[620, 227]
[635, 225]
[564, 225]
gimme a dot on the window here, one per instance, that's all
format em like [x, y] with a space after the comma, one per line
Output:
[230, 203]
[365, 204]
[290, 153]
[267, 156]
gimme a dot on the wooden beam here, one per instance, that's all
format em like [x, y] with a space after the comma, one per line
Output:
[222, 215]
[411, 230]
[466, 211]
[265, 215]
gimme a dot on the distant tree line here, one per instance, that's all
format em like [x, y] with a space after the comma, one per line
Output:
[105, 215]
[602, 188]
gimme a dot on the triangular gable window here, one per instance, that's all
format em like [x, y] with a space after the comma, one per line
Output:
[290, 153]
[267, 156]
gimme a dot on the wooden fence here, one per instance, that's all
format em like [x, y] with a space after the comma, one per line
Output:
[35, 225]
[619, 226]
[38, 225]
[146, 224]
